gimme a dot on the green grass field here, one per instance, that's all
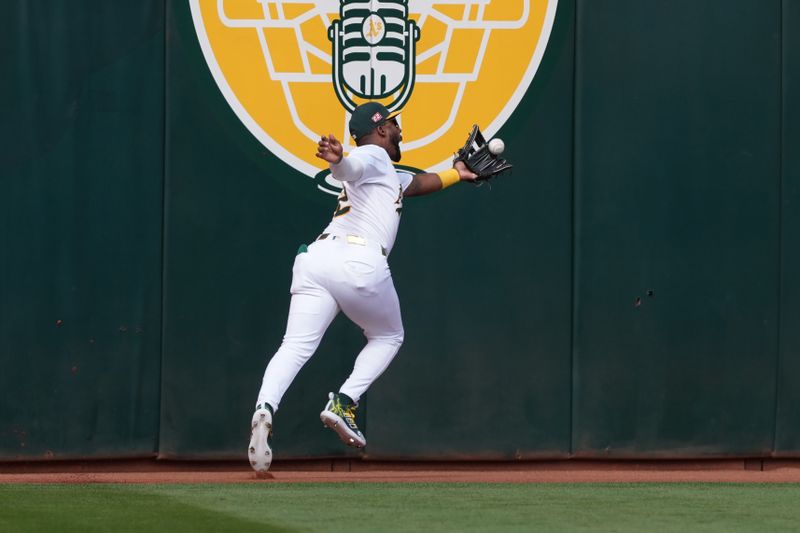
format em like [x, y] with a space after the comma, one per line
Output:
[400, 507]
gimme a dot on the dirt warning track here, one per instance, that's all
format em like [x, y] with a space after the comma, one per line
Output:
[356, 471]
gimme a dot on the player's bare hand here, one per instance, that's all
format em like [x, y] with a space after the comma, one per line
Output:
[463, 172]
[330, 149]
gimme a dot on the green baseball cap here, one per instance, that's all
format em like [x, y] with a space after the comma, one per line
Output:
[367, 117]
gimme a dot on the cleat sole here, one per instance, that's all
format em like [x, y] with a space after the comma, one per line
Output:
[259, 451]
[332, 421]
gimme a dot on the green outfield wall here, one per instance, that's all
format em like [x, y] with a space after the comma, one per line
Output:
[629, 291]
[82, 162]
[677, 225]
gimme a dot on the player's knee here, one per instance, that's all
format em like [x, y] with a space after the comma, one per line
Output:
[394, 338]
[297, 349]
[397, 338]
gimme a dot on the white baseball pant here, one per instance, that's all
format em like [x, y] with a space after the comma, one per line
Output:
[335, 274]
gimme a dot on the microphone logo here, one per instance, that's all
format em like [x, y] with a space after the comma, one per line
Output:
[373, 52]
[293, 69]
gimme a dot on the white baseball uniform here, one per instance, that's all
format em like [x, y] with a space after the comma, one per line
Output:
[346, 268]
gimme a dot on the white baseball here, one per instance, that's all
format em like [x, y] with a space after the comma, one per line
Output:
[496, 146]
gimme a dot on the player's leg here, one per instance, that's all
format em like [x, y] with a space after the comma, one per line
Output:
[382, 323]
[372, 303]
[311, 311]
[310, 314]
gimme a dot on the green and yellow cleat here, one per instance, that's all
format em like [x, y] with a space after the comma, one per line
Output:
[340, 415]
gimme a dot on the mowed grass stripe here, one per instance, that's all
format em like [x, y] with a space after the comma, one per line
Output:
[104, 508]
[434, 507]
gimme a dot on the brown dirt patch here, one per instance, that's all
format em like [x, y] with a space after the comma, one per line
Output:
[344, 470]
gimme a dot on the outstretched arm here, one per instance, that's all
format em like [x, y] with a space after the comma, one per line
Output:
[342, 168]
[428, 182]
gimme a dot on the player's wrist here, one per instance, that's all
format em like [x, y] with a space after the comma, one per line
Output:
[449, 177]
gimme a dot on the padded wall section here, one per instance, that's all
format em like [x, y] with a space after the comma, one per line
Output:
[677, 228]
[80, 228]
[787, 440]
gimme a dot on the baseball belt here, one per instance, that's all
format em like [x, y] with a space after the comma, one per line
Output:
[350, 239]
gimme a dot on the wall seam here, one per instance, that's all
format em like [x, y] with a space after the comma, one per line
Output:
[163, 225]
[574, 251]
[781, 139]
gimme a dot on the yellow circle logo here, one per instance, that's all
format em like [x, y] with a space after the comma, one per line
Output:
[294, 69]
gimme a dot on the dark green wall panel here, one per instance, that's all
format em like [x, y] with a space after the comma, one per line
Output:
[80, 228]
[787, 441]
[677, 227]
[227, 278]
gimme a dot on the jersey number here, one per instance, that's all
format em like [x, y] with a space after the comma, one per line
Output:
[399, 201]
[343, 207]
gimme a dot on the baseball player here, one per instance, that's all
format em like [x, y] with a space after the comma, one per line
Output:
[346, 269]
